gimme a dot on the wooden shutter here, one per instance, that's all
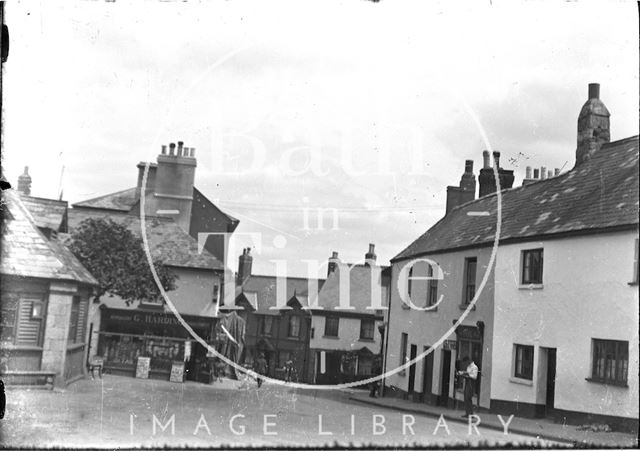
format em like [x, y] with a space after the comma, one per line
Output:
[82, 320]
[29, 329]
[9, 303]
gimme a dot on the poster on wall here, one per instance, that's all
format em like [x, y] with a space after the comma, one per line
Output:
[142, 367]
[177, 372]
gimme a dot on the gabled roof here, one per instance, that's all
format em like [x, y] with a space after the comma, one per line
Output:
[167, 240]
[47, 213]
[360, 292]
[118, 201]
[26, 252]
[261, 292]
[599, 194]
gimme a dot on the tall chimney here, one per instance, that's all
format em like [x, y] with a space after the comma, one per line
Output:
[465, 192]
[593, 125]
[173, 186]
[485, 159]
[245, 262]
[24, 182]
[543, 172]
[370, 257]
[333, 263]
[151, 176]
[487, 178]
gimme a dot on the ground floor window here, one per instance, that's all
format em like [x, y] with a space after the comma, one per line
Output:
[365, 365]
[610, 361]
[524, 362]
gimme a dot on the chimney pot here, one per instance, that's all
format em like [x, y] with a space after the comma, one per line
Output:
[556, 172]
[172, 147]
[528, 172]
[164, 150]
[536, 173]
[371, 248]
[496, 159]
[24, 182]
[334, 254]
[193, 152]
[594, 90]
[485, 158]
[180, 144]
[543, 172]
[550, 174]
[468, 166]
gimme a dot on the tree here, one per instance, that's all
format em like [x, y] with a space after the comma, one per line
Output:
[116, 258]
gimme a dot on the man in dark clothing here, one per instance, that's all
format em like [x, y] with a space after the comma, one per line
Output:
[470, 374]
[260, 367]
[376, 369]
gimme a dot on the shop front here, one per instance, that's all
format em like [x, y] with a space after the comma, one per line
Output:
[127, 335]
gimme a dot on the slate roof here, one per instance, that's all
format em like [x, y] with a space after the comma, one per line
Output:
[261, 291]
[127, 199]
[600, 193]
[118, 201]
[47, 213]
[27, 252]
[167, 240]
[360, 293]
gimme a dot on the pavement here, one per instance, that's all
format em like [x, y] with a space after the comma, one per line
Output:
[533, 427]
[117, 411]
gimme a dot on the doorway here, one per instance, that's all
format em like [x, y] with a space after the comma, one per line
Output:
[427, 377]
[551, 381]
[443, 399]
[412, 370]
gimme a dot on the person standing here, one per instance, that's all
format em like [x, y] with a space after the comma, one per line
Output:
[260, 367]
[470, 374]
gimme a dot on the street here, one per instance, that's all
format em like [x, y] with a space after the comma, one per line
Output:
[121, 411]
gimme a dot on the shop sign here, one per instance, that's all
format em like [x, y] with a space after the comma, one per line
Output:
[468, 332]
[151, 318]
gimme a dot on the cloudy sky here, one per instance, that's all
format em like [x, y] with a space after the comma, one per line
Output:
[367, 108]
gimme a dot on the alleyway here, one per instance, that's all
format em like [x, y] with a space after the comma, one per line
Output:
[120, 411]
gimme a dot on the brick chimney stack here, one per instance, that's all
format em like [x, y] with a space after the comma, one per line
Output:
[487, 179]
[593, 125]
[245, 262]
[333, 263]
[24, 182]
[465, 192]
[370, 257]
[173, 185]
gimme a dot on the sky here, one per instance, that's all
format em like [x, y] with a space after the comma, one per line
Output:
[361, 108]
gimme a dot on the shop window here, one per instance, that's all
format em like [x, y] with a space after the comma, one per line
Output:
[432, 288]
[331, 325]
[367, 328]
[294, 327]
[470, 265]
[610, 361]
[532, 266]
[283, 358]
[523, 362]
[365, 365]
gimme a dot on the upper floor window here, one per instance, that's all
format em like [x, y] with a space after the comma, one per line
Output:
[610, 361]
[532, 266]
[294, 326]
[331, 324]
[410, 282]
[367, 328]
[216, 294]
[432, 288]
[266, 323]
[524, 362]
[636, 268]
[404, 339]
[470, 265]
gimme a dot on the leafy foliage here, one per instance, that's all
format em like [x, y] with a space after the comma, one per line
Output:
[116, 258]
